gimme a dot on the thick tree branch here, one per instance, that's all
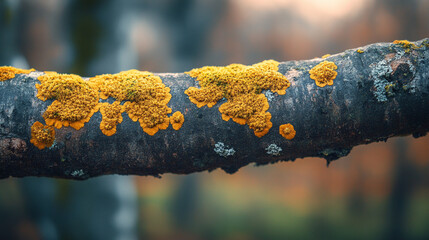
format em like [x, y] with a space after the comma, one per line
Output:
[380, 91]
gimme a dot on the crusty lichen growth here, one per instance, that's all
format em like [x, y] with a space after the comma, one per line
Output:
[287, 131]
[326, 56]
[42, 135]
[242, 87]
[7, 72]
[324, 73]
[359, 51]
[222, 150]
[111, 117]
[406, 44]
[273, 149]
[76, 100]
[177, 120]
[425, 43]
[145, 95]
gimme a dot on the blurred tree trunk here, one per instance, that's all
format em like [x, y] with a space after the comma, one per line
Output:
[109, 203]
[380, 93]
[403, 183]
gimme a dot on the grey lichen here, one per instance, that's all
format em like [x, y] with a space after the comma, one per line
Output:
[269, 95]
[77, 173]
[35, 74]
[223, 150]
[273, 149]
[379, 73]
[54, 145]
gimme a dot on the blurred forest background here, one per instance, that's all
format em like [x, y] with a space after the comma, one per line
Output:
[379, 191]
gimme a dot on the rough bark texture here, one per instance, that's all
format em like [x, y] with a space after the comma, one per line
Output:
[380, 93]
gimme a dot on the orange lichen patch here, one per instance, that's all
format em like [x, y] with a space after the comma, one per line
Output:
[49, 72]
[242, 86]
[177, 120]
[324, 73]
[205, 96]
[287, 131]
[42, 135]
[260, 123]
[7, 72]
[359, 51]
[326, 55]
[145, 95]
[405, 44]
[132, 85]
[243, 107]
[152, 115]
[111, 116]
[76, 100]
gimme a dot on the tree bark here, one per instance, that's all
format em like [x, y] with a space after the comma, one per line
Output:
[380, 92]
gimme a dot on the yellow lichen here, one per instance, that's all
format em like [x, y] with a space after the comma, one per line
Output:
[242, 86]
[425, 43]
[111, 116]
[359, 51]
[177, 120]
[42, 135]
[76, 100]
[324, 73]
[7, 72]
[287, 131]
[145, 95]
[260, 123]
[406, 44]
[326, 55]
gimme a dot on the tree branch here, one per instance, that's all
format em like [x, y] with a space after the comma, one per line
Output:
[380, 91]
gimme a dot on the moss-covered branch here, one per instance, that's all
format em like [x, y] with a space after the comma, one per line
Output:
[71, 127]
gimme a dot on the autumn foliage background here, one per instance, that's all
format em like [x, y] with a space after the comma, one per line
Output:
[380, 190]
